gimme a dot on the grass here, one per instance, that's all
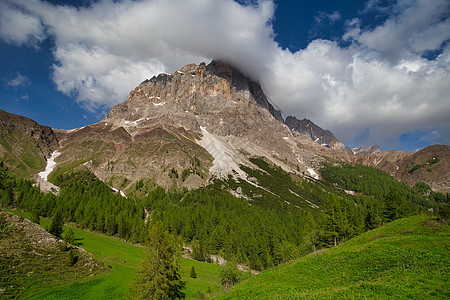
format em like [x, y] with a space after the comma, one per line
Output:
[122, 259]
[408, 258]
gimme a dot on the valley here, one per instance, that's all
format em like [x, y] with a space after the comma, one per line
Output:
[199, 164]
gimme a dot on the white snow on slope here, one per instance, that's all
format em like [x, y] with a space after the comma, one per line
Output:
[51, 164]
[313, 173]
[119, 191]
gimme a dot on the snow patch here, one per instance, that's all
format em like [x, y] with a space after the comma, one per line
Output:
[119, 191]
[313, 173]
[51, 164]
[285, 138]
[159, 104]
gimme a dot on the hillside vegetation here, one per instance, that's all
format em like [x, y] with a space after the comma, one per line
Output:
[406, 259]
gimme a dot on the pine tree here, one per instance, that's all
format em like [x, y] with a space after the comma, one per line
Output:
[159, 276]
[193, 273]
[56, 226]
[69, 236]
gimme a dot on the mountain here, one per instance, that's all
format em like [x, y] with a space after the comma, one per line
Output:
[200, 122]
[204, 153]
[183, 128]
[307, 128]
[24, 144]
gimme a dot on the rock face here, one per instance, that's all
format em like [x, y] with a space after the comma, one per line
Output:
[198, 121]
[306, 128]
[202, 121]
[24, 144]
[375, 149]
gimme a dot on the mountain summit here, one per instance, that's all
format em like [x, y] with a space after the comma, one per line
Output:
[182, 128]
[198, 123]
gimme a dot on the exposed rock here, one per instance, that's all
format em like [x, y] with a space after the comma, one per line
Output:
[306, 128]
[375, 149]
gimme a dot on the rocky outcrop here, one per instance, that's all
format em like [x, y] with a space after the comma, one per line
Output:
[375, 149]
[199, 121]
[306, 128]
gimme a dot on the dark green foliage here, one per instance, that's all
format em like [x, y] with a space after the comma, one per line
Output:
[173, 173]
[159, 276]
[193, 274]
[215, 222]
[4, 228]
[394, 207]
[69, 236]
[372, 182]
[56, 225]
[405, 259]
[35, 217]
[72, 258]
[289, 217]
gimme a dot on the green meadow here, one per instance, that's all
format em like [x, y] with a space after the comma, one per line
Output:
[122, 260]
[406, 259]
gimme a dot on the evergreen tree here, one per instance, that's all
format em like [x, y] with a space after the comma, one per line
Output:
[56, 226]
[159, 276]
[71, 258]
[393, 206]
[193, 273]
[69, 236]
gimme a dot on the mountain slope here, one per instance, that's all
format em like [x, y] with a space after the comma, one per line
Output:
[31, 259]
[202, 120]
[408, 258]
[24, 144]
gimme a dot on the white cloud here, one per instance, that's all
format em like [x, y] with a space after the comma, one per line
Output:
[19, 80]
[18, 28]
[380, 82]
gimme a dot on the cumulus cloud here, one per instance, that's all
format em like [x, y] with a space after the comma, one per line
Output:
[381, 84]
[18, 27]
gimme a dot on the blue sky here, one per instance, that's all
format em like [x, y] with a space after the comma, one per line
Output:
[373, 72]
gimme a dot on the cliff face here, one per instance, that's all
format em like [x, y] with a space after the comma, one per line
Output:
[306, 128]
[202, 120]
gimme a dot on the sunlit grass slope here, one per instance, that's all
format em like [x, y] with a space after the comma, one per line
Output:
[124, 259]
[406, 259]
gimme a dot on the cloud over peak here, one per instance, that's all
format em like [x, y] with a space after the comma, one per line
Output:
[382, 80]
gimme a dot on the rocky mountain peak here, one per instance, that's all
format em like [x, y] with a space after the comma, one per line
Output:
[306, 128]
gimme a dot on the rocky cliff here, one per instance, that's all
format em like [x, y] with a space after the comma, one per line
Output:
[183, 128]
[306, 128]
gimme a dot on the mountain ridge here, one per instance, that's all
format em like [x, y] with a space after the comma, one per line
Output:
[201, 121]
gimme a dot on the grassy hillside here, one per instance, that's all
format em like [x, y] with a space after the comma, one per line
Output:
[122, 260]
[406, 259]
